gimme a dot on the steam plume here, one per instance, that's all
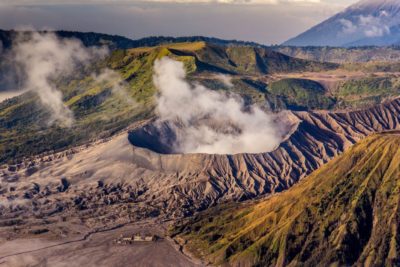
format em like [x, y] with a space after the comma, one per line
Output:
[43, 57]
[225, 79]
[110, 78]
[211, 122]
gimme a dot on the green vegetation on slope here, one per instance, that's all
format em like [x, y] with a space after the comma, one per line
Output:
[374, 66]
[305, 94]
[253, 60]
[341, 54]
[100, 111]
[302, 94]
[367, 91]
[346, 213]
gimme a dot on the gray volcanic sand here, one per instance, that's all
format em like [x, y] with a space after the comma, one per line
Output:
[98, 250]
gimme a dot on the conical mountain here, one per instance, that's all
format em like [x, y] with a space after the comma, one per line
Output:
[368, 22]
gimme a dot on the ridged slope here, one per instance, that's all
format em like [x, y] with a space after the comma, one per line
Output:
[319, 137]
[100, 111]
[177, 185]
[346, 213]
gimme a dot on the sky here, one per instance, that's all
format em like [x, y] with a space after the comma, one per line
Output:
[264, 21]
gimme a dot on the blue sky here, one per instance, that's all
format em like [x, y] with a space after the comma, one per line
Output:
[264, 21]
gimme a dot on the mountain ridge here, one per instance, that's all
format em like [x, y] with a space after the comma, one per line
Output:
[135, 67]
[122, 42]
[345, 213]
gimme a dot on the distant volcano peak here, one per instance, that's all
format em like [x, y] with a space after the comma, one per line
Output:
[368, 22]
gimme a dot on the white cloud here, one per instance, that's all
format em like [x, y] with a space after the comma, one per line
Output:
[211, 122]
[219, 1]
[369, 26]
[64, 2]
[368, 20]
[384, 13]
[348, 26]
[265, 2]
[263, 23]
[374, 26]
[377, 31]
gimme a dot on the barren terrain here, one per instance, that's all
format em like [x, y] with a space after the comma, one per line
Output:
[103, 189]
[95, 249]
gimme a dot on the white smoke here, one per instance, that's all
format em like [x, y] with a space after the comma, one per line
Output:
[212, 122]
[110, 78]
[44, 57]
[225, 79]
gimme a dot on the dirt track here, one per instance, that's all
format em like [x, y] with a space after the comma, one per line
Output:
[94, 249]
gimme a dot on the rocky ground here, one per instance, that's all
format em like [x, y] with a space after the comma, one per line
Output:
[112, 184]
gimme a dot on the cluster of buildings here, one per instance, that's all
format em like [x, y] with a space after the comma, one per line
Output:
[130, 239]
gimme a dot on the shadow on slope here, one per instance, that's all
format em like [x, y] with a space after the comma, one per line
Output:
[345, 213]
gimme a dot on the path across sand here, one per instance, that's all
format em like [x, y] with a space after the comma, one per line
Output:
[94, 249]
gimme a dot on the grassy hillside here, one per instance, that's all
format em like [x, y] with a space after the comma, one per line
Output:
[253, 60]
[305, 94]
[367, 91]
[100, 111]
[341, 54]
[346, 213]
[301, 94]
[373, 66]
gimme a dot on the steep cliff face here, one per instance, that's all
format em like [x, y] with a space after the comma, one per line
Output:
[315, 138]
[180, 184]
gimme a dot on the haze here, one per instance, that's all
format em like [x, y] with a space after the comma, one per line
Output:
[264, 21]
